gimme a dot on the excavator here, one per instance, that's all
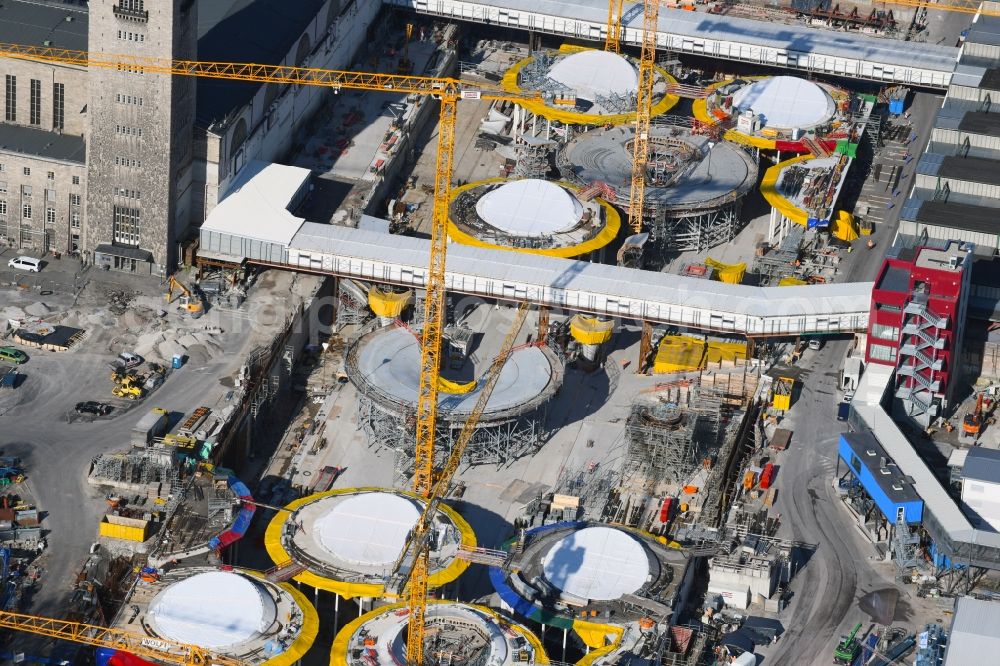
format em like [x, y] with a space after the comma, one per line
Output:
[190, 301]
[972, 425]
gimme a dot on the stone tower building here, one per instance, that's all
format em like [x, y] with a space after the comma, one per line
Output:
[139, 171]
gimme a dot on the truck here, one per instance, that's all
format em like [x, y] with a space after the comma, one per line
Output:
[150, 426]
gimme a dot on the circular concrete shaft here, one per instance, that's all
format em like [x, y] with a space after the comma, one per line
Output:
[212, 610]
[597, 563]
[595, 73]
[368, 529]
[786, 102]
[530, 208]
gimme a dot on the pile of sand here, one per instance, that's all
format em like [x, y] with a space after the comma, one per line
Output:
[197, 346]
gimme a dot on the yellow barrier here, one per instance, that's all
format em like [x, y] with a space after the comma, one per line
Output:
[769, 188]
[590, 330]
[699, 108]
[612, 224]
[124, 532]
[386, 303]
[540, 108]
[277, 552]
[728, 273]
[342, 641]
[791, 282]
[447, 386]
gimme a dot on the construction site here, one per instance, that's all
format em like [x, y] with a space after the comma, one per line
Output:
[539, 341]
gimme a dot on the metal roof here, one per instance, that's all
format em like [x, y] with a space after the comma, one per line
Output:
[801, 39]
[982, 465]
[51, 145]
[567, 274]
[952, 215]
[968, 169]
[975, 632]
[34, 23]
[889, 478]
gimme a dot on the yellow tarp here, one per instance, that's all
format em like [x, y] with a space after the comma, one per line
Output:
[590, 330]
[342, 641]
[276, 550]
[679, 353]
[728, 273]
[843, 226]
[447, 386]
[726, 351]
[386, 303]
[791, 282]
[596, 635]
[573, 117]
[612, 225]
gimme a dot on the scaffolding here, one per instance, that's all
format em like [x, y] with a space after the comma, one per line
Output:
[501, 435]
[352, 306]
[782, 261]
[531, 157]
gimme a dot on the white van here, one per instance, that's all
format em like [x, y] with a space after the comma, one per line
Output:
[29, 264]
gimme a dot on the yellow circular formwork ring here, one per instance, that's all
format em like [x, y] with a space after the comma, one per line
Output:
[699, 108]
[540, 108]
[769, 188]
[308, 631]
[590, 330]
[278, 554]
[612, 225]
[342, 641]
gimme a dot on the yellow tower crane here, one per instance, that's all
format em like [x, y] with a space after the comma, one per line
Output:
[103, 637]
[449, 91]
[612, 36]
[644, 103]
[413, 564]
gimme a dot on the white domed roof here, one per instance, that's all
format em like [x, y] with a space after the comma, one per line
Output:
[530, 208]
[598, 563]
[370, 528]
[591, 73]
[212, 610]
[786, 102]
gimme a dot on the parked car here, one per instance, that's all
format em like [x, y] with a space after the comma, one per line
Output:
[843, 411]
[13, 355]
[815, 343]
[93, 407]
[29, 264]
[129, 360]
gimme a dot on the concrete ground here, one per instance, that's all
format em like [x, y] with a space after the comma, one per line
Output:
[37, 422]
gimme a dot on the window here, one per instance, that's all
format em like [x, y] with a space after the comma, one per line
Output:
[27, 171]
[76, 180]
[26, 191]
[74, 200]
[882, 352]
[58, 106]
[26, 211]
[3, 187]
[26, 234]
[51, 175]
[74, 219]
[36, 102]
[3, 208]
[126, 225]
[11, 99]
[128, 194]
[885, 332]
[50, 195]
[50, 217]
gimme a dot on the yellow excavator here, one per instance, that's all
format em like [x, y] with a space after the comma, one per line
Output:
[189, 300]
[128, 386]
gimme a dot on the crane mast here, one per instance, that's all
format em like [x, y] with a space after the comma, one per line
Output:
[644, 100]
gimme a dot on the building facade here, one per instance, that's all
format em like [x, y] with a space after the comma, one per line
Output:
[918, 310]
[123, 166]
